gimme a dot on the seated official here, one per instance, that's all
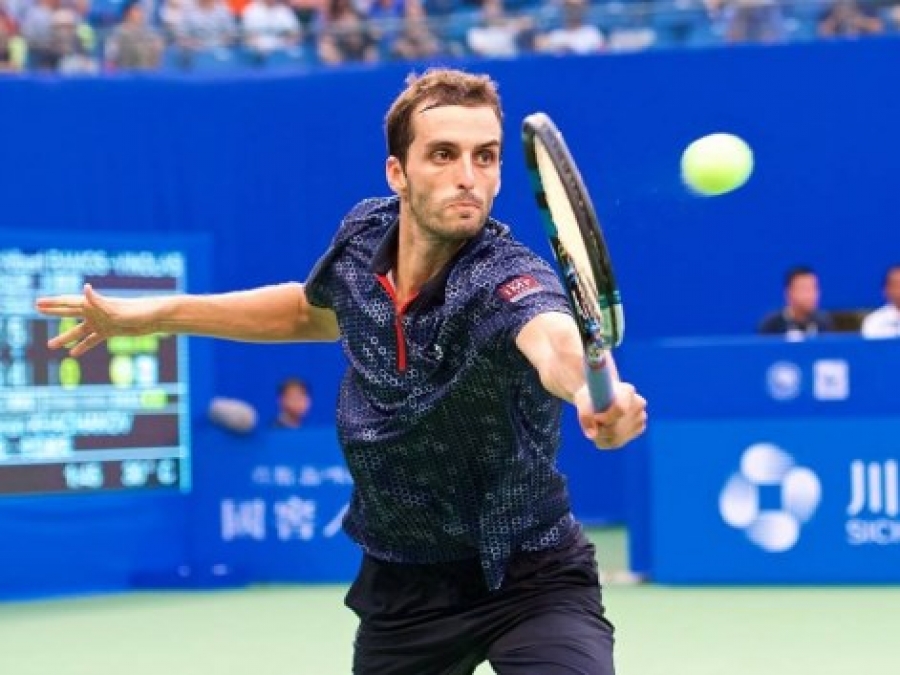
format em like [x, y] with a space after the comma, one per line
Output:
[884, 322]
[801, 317]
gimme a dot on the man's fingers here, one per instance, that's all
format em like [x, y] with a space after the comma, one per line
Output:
[62, 311]
[65, 338]
[626, 426]
[87, 344]
[64, 305]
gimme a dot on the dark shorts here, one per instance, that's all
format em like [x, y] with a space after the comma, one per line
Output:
[546, 619]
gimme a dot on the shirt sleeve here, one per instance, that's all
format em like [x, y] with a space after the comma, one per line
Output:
[528, 287]
[320, 284]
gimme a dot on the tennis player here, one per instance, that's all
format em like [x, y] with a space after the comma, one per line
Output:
[461, 348]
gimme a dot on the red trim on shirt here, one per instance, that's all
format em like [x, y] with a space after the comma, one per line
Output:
[400, 310]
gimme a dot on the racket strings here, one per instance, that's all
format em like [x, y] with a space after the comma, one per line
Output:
[591, 317]
[576, 241]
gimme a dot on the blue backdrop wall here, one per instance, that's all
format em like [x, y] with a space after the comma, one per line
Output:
[267, 167]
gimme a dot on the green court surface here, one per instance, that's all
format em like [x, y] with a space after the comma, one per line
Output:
[295, 630]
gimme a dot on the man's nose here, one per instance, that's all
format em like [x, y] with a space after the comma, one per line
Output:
[465, 173]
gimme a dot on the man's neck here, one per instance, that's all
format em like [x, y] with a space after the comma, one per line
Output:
[419, 258]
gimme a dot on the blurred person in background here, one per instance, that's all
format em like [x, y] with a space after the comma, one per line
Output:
[269, 26]
[801, 316]
[576, 36]
[13, 49]
[845, 18]
[884, 322]
[386, 18]
[498, 35]
[750, 20]
[206, 25]
[294, 402]
[415, 40]
[133, 44]
[171, 16]
[308, 13]
[65, 44]
[37, 29]
[346, 35]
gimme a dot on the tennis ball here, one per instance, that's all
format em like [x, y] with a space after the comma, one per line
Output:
[716, 164]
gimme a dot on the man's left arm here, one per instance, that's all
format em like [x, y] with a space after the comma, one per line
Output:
[551, 343]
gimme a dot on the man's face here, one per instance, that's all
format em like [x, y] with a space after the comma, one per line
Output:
[892, 288]
[803, 293]
[295, 401]
[452, 171]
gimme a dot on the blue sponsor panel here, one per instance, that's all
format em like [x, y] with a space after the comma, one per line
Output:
[829, 403]
[269, 506]
[776, 501]
[766, 377]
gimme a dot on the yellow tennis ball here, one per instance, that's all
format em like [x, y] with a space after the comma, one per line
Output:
[716, 164]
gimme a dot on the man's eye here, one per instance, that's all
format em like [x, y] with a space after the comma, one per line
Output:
[486, 157]
[441, 155]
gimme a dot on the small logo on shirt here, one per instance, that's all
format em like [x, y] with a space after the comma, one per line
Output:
[518, 288]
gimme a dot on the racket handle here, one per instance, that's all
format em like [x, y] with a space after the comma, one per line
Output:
[600, 383]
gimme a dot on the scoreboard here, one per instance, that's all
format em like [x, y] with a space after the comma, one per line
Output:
[116, 418]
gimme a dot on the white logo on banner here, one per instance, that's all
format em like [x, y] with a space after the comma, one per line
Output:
[874, 493]
[764, 465]
[783, 379]
[243, 519]
[831, 380]
[295, 518]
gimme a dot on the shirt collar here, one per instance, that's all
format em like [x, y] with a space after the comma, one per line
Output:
[433, 293]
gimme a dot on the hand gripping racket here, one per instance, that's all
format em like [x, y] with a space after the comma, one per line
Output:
[581, 254]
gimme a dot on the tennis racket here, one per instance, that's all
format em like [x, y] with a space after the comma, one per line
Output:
[582, 258]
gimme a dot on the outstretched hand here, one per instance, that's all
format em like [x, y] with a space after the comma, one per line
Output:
[623, 421]
[101, 318]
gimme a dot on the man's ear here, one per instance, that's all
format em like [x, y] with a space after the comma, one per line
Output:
[395, 175]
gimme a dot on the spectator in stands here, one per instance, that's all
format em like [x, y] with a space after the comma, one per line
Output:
[171, 16]
[801, 316]
[884, 322]
[71, 46]
[308, 12]
[750, 20]
[576, 36]
[12, 47]
[415, 41]
[293, 403]
[133, 44]
[206, 25]
[346, 35]
[270, 26]
[37, 29]
[386, 18]
[845, 18]
[498, 35]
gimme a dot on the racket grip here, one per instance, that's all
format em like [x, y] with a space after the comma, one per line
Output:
[600, 384]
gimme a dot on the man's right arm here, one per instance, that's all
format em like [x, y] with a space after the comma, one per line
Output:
[280, 313]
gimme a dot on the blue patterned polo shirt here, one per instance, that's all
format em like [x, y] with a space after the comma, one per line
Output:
[449, 435]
